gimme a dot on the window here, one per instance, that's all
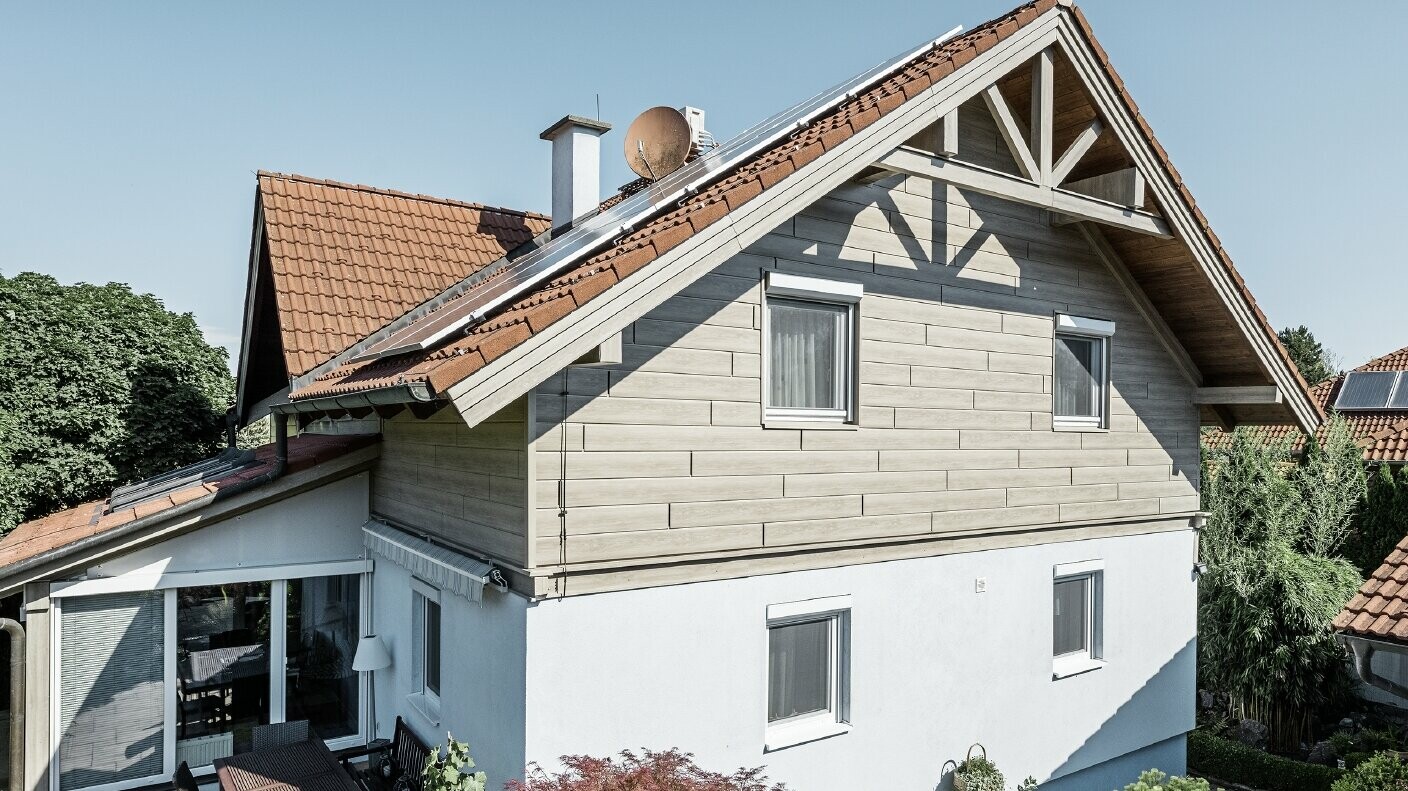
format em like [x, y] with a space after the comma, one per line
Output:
[1081, 371]
[808, 670]
[1076, 616]
[811, 349]
[425, 628]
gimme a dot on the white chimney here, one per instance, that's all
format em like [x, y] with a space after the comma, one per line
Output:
[576, 168]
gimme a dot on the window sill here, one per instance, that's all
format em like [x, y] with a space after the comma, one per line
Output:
[780, 737]
[428, 709]
[1086, 428]
[809, 425]
[1066, 667]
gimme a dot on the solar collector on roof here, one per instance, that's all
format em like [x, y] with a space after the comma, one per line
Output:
[514, 278]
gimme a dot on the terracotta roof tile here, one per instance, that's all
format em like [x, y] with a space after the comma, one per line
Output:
[55, 531]
[460, 358]
[348, 259]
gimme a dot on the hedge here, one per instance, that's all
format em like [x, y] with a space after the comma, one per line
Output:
[1235, 762]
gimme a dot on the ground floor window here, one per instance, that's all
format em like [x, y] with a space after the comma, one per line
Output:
[808, 670]
[191, 673]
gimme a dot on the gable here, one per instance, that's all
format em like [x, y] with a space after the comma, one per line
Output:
[334, 263]
[489, 363]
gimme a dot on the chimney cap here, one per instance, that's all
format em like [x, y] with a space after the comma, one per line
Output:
[591, 124]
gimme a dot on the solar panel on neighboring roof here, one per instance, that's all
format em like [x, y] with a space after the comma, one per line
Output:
[1367, 390]
[205, 470]
[1399, 399]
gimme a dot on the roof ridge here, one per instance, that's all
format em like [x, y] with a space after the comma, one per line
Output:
[1384, 357]
[398, 193]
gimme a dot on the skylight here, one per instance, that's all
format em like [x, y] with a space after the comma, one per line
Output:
[1373, 390]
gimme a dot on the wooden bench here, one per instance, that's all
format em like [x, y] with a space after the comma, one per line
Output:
[391, 766]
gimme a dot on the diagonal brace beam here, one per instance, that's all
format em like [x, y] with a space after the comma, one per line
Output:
[1011, 133]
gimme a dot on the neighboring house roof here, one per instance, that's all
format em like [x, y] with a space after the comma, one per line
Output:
[44, 537]
[1382, 433]
[462, 355]
[343, 260]
[1380, 609]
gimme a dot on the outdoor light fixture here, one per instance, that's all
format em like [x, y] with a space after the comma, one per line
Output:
[371, 654]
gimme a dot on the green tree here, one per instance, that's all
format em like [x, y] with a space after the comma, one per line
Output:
[1275, 580]
[99, 386]
[1383, 520]
[1315, 362]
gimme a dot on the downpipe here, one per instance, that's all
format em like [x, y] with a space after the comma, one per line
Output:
[16, 633]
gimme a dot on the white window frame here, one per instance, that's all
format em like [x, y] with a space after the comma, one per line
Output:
[835, 720]
[425, 700]
[1092, 572]
[169, 584]
[822, 292]
[1100, 331]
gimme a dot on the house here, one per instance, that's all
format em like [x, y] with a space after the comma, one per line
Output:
[862, 438]
[1372, 398]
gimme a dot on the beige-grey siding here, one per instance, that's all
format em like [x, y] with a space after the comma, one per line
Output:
[465, 486]
[665, 455]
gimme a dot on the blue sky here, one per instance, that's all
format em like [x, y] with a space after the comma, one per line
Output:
[131, 131]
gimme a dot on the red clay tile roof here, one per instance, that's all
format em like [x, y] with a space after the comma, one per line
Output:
[453, 362]
[1380, 609]
[348, 259]
[1383, 434]
[61, 529]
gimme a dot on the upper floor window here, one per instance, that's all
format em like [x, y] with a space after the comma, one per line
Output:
[811, 349]
[1081, 369]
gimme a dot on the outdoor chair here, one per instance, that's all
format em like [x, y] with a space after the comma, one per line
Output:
[394, 765]
[280, 734]
[183, 780]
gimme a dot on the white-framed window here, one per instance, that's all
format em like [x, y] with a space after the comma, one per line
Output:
[425, 637]
[808, 677]
[1080, 387]
[1077, 593]
[811, 349]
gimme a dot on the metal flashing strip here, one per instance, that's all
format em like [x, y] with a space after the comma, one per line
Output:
[440, 566]
[167, 482]
[517, 277]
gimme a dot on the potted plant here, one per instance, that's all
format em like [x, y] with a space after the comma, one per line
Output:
[977, 773]
[453, 772]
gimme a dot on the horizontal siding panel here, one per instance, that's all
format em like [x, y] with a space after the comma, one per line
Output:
[784, 509]
[782, 461]
[848, 529]
[810, 485]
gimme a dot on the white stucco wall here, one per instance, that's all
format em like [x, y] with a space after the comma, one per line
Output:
[324, 524]
[481, 671]
[935, 667]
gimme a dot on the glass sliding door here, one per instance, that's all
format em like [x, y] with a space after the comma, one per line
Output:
[223, 656]
[323, 626]
[111, 691]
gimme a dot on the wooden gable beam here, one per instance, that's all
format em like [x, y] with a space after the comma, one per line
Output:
[1043, 118]
[1076, 151]
[1007, 125]
[913, 162]
[1223, 396]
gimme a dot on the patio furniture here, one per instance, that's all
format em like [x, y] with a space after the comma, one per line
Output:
[280, 734]
[398, 766]
[183, 780]
[302, 766]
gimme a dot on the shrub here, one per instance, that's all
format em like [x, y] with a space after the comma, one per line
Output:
[670, 770]
[1154, 780]
[1383, 772]
[979, 774]
[1234, 762]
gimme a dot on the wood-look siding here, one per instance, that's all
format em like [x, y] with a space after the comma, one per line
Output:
[465, 486]
[665, 454]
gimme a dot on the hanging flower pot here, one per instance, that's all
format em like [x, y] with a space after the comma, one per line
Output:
[977, 773]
